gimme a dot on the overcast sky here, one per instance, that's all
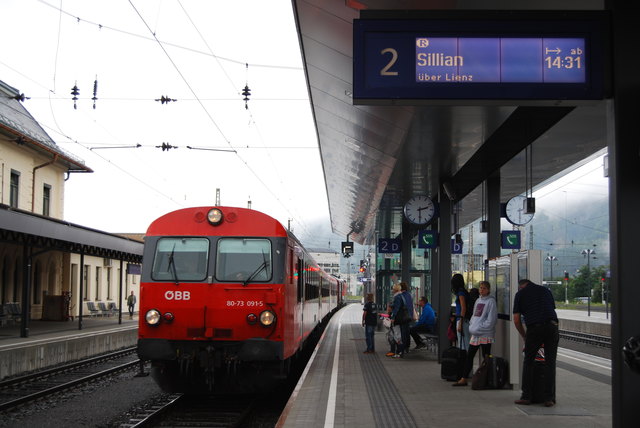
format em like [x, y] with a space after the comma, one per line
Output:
[201, 53]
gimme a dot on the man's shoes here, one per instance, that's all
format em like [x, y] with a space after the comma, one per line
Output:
[459, 384]
[549, 403]
[420, 346]
[523, 402]
[390, 354]
[397, 356]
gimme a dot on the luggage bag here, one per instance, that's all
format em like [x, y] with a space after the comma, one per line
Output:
[492, 374]
[452, 363]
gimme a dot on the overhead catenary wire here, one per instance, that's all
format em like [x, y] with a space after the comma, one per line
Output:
[246, 92]
[207, 113]
[174, 45]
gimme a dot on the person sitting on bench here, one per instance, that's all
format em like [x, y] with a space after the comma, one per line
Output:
[425, 324]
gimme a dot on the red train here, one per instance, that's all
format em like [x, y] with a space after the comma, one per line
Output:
[228, 297]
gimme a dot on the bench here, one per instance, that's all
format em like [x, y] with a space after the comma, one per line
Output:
[113, 308]
[13, 311]
[93, 311]
[431, 340]
[103, 309]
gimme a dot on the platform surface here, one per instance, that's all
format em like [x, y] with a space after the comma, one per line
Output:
[343, 387]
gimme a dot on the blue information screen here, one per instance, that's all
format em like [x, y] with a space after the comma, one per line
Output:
[500, 60]
[506, 60]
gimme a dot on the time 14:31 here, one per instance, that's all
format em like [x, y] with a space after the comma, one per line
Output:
[566, 62]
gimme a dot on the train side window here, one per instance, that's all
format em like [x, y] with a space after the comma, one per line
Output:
[180, 259]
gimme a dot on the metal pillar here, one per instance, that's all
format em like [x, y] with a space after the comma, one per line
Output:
[81, 291]
[405, 256]
[441, 286]
[26, 290]
[120, 293]
[624, 205]
[493, 215]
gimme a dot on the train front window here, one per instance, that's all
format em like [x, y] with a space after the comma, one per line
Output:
[180, 259]
[243, 260]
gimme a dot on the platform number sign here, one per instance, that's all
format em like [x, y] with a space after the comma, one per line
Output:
[388, 245]
[456, 246]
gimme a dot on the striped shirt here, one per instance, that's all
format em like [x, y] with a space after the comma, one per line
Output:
[535, 303]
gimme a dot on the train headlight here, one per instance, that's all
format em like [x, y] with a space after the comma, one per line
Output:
[152, 317]
[214, 216]
[267, 318]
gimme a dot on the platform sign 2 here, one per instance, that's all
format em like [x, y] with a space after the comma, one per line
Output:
[525, 59]
[511, 239]
[428, 239]
[389, 245]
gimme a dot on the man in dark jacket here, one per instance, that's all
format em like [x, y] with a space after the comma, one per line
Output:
[534, 305]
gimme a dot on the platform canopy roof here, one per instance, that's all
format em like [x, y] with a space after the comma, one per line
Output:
[375, 157]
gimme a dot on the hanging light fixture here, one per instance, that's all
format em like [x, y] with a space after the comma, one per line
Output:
[530, 206]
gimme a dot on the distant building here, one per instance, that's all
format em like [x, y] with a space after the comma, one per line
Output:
[61, 255]
[327, 259]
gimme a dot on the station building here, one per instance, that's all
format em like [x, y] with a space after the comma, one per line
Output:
[49, 267]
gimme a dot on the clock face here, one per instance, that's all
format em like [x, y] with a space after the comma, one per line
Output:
[420, 210]
[515, 211]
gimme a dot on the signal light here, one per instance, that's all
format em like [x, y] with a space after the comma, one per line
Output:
[566, 275]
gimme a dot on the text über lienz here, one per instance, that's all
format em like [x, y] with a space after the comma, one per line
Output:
[433, 60]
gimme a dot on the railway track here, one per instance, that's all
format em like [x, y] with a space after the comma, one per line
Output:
[195, 411]
[24, 389]
[586, 338]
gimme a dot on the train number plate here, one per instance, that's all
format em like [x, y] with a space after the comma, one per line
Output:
[245, 303]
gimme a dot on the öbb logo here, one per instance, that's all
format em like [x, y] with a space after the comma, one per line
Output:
[177, 295]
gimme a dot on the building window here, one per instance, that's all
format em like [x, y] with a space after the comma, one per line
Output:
[15, 186]
[85, 285]
[98, 282]
[46, 200]
[108, 271]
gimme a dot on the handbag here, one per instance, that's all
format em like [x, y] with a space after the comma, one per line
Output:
[403, 317]
[480, 379]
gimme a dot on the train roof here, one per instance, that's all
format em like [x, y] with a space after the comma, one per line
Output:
[235, 222]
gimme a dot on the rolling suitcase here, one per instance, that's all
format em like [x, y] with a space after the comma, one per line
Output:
[493, 373]
[452, 363]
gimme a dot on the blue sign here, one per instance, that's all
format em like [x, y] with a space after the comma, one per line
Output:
[427, 239]
[517, 59]
[456, 246]
[511, 239]
[500, 60]
[388, 245]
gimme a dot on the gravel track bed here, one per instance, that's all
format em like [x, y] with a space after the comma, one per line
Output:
[105, 404]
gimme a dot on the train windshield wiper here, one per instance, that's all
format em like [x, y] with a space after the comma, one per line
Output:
[260, 268]
[172, 264]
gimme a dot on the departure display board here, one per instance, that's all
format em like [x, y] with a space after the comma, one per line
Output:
[413, 60]
[500, 60]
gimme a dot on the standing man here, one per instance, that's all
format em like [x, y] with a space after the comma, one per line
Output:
[131, 303]
[535, 304]
[425, 324]
[369, 322]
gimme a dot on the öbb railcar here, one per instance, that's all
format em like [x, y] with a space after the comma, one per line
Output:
[228, 298]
